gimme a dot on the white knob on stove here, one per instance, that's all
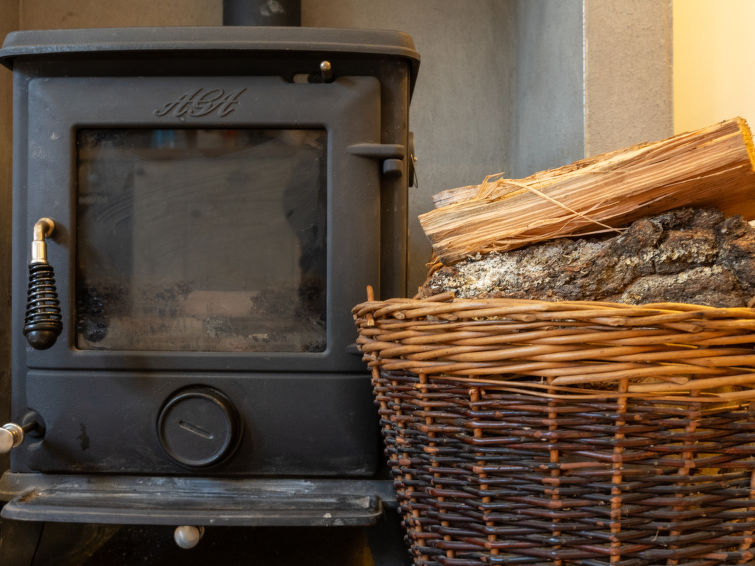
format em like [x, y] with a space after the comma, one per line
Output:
[11, 435]
[187, 536]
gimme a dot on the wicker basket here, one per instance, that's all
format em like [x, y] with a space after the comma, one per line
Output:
[529, 432]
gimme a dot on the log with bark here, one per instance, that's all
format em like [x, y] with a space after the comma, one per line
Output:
[686, 255]
[711, 167]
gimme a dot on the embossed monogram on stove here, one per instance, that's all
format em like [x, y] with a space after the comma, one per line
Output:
[202, 102]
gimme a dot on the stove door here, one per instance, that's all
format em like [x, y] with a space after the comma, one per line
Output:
[216, 223]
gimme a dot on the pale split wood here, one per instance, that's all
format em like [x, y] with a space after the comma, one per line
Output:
[713, 166]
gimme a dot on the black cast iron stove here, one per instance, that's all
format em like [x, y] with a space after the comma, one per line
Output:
[212, 202]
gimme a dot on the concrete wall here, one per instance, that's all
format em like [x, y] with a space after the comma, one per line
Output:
[590, 76]
[549, 91]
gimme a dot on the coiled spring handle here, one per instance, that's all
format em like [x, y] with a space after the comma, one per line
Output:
[43, 321]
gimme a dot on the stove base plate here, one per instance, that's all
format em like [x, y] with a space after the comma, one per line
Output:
[194, 501]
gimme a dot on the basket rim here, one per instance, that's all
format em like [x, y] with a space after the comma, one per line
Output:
[662, 351]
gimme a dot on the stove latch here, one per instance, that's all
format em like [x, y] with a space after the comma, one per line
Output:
[391, 154]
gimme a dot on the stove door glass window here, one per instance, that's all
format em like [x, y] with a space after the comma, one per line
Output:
[201, 240]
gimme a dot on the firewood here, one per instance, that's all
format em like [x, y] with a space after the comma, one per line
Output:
[710, 167]
[451, 196]
[687, 255]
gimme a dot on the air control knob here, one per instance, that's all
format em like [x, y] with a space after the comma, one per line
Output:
[11, 435]
[198, 427]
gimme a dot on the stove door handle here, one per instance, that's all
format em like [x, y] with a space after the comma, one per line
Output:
[43, 321]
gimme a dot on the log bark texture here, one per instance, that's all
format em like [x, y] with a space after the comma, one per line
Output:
[711, 167]
[686, 255]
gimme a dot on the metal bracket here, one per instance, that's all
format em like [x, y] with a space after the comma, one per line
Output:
[391, 154]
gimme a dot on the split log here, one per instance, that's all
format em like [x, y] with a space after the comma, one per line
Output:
[711, 167]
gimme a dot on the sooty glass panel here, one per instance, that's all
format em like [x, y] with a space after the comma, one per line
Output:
[201, 240]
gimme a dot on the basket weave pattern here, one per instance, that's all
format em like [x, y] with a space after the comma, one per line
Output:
[527, 432]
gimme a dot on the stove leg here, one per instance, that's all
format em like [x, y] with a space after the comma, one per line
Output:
[386, 540]
[19, 541]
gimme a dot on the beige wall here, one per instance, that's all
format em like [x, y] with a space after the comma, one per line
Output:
[714, 59]
[628, 73]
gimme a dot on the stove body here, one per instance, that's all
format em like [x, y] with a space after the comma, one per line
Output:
[221, 198]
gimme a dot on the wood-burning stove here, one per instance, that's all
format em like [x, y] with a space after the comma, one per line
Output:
[219, 198]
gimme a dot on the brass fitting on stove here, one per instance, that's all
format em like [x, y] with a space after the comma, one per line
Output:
[11, 435]
[43, 228]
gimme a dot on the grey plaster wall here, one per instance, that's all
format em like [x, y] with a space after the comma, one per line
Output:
[462, 112]
[628, 78]
[549, 89]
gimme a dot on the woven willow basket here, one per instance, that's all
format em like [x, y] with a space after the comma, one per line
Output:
[529, 432]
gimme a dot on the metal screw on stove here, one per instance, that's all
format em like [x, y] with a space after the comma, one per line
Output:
[326, 70]
[188, 537]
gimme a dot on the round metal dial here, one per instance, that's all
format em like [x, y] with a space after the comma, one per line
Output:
[198, 427]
